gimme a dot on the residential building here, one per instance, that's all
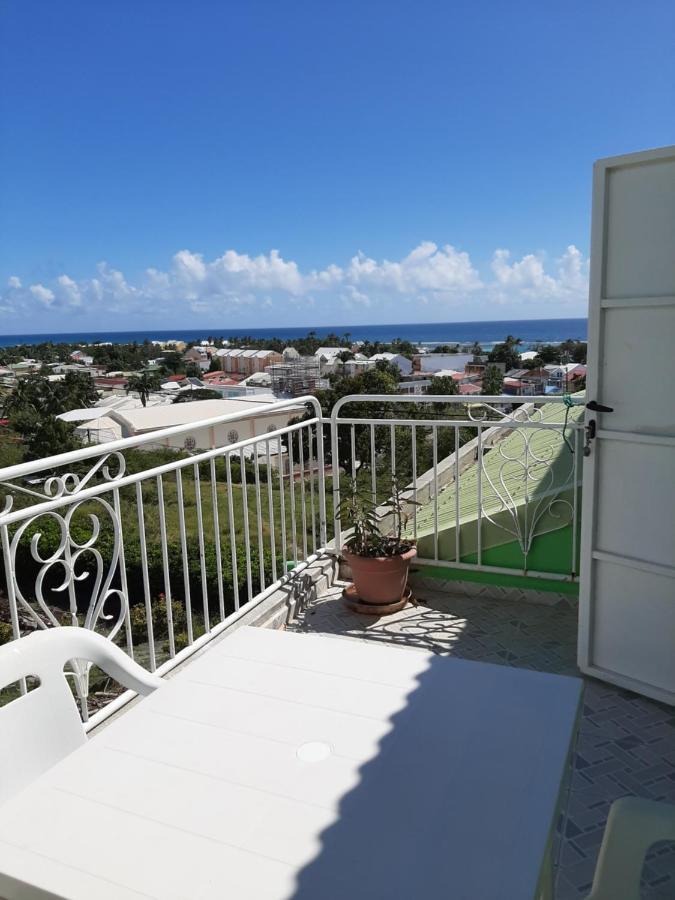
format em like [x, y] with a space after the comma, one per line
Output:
[557, 373]
[199, 357]
[79, 356]
[402, 363]
[435, 362]
[237, 361]
[252, 419]
[327, 357]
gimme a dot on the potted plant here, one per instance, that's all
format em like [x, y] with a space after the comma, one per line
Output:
[379, 559]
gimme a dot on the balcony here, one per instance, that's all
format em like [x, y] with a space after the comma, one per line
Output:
[165, 554]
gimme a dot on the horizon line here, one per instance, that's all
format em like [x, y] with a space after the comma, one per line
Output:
[308, 328]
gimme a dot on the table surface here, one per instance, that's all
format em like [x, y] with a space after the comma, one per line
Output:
[282, 765]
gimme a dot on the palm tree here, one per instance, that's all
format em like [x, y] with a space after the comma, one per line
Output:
[144, 383]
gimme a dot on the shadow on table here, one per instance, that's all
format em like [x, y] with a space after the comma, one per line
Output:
[459, 799]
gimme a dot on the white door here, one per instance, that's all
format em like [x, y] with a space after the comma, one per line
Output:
[627, 592]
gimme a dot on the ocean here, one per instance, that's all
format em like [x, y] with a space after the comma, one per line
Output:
[531, 331]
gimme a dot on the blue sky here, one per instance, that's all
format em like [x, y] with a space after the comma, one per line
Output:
[243, 163]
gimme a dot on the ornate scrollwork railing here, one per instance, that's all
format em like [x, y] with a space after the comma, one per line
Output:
[111, 467]
[81, 572]
[545, 469]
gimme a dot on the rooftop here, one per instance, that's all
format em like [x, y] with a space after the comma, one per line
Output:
[165, 416]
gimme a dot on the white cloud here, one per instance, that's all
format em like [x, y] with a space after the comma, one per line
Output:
[41, 293]
[442, 279]
[425, 268]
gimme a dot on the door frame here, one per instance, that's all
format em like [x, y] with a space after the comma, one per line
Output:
[598, 303]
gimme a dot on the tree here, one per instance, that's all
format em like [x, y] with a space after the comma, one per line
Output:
[493, 380]
[446, 348]
[144, 384]
[444, 384]
[77, 391]
[172, 362]
[506, 353]
[45, 435]
[197, 394]
[547, 354]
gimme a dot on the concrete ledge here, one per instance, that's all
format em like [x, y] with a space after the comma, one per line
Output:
[457, 588]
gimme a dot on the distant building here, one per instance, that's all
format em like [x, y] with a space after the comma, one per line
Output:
[199, 357]
[535, 379]
[558, 373]
[401, 362]
[359, 364]
[296, 376]
[417, 386]
[80, 356]
[236, 361]
[328, 360]
[434, 362]
[514, 387]
[251, 420]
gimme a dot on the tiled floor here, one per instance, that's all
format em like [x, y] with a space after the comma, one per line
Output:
[626, 743]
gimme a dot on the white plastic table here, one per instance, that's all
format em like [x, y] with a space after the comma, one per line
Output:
[282, 765]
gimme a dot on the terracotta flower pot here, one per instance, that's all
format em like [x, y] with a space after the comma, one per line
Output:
[380, 579]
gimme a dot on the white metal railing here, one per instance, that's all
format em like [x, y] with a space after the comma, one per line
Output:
[162, 553]
[518, 493]
[161, 557]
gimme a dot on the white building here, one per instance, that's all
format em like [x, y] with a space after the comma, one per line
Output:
[328, 359]
[403, 363]
[251, 421]
[434, 362]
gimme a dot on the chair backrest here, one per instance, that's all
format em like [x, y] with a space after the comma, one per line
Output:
[41, 727]
[633, 826]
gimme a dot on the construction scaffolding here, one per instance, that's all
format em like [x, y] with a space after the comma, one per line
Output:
[295, 377]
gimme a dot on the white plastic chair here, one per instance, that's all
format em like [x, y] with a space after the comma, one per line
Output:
[41, 727]
[633, 826]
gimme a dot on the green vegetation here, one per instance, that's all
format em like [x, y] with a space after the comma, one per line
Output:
[144, 384]
[493, 381]
[32, 408]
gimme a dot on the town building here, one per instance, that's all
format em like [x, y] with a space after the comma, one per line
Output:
[401, 362]
[434, 362]
[237, 361]
[251, 420]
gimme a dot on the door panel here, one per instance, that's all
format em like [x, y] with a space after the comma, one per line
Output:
[634, 627]
[627, 587]
[640, 213]
[638, 513]
[638, 382]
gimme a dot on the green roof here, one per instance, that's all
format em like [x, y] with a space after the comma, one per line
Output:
[523, 471]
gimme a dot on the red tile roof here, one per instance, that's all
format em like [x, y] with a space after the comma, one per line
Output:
[469, 389]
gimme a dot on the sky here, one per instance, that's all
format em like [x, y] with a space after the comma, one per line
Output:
[243, 163]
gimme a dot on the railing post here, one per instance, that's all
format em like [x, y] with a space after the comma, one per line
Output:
[335, 470]
[11, 592]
